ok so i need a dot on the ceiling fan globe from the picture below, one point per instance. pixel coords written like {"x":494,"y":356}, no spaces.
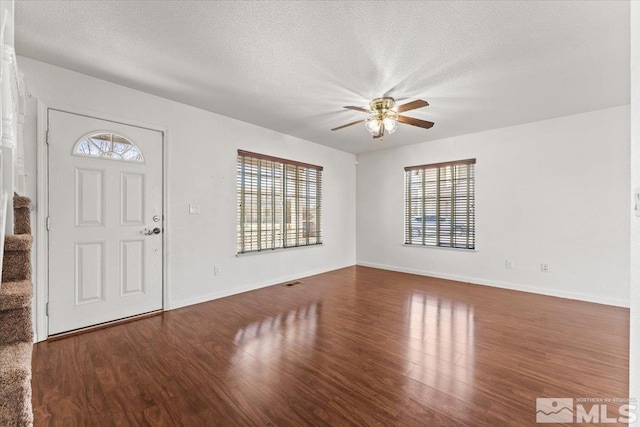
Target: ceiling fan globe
{"x":372,"y":124}
{"x":390,"y":123}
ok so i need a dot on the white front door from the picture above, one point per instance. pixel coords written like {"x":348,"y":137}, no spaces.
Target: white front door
{"x":105,"y":220}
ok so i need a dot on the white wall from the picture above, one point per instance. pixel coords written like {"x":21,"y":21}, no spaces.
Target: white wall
{"x":553,"y":192}
{"x":634,"y":342}
{"x":202,"y":165}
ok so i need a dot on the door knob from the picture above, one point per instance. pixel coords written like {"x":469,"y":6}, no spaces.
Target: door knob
{"x":148,"y":232}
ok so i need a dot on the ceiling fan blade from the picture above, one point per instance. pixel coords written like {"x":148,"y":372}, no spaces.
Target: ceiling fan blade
{"x":364,"y":110}
{"x":418,"y":103}
{"x":349,"y":124}
{"x":415,"y":122}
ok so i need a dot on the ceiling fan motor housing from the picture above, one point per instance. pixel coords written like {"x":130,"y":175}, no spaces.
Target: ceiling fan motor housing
{"x":382,"y":105}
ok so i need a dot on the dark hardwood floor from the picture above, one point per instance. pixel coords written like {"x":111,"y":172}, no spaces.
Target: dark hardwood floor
{"x":356,"y":346}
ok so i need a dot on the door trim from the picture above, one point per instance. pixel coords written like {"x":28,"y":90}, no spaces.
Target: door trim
{"x":41,"y":271}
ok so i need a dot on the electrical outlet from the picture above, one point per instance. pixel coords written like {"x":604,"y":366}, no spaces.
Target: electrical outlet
{"x":194,"y":209}
{"x":216,"y":271}
{"x":544,"y":268}
{"x":508,"y":264}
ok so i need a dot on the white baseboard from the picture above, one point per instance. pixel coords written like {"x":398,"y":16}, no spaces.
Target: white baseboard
{"x":502,"y":285}
{"x":172,"y":305}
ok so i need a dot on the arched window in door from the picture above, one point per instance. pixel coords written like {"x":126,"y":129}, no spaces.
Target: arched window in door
{"x":108,"y":145}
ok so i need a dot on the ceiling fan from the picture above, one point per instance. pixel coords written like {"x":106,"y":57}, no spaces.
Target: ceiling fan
{"x":384,"y":117}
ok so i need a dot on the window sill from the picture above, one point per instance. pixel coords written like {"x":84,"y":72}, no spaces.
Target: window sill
{"x":268,"y":251}
{"x":440,"y":247}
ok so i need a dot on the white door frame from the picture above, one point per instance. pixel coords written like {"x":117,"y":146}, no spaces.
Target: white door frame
{"x":41,"y":271}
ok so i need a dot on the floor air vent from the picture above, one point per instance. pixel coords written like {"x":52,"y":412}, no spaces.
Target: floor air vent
{"x":290,"y":284}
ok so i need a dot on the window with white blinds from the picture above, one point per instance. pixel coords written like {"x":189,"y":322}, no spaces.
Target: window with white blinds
{"x":279,"y":203}
{"x":440,"y":204}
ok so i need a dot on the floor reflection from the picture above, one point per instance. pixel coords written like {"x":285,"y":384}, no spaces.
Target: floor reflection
{"x":440,"y":346}
{"x":270,"y":339}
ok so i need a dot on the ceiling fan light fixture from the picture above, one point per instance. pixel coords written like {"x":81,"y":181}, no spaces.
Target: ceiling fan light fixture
{"x":380,"y":124}
{"x":390,"y":123}
{"x":373,"y":125}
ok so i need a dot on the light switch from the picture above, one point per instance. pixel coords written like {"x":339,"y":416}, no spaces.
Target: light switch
{"x":194,"y":209}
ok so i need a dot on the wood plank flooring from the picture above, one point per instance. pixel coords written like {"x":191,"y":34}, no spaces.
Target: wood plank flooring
{"x":356,"y":346}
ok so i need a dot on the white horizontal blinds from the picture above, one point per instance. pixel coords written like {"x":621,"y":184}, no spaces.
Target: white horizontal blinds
{"x":279,"y":203}
{"x":463,"y":213}
{"x":440,"y":204}
{"x":303,"y":201}
{"x":249,"y":204}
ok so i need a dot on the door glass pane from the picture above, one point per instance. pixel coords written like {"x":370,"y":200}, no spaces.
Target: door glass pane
{"x":108,"y":146}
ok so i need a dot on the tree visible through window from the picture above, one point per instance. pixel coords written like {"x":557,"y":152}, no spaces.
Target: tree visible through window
{"x":440,"y":204}
{"x":279,"y":203}
{"x":108,"y":146}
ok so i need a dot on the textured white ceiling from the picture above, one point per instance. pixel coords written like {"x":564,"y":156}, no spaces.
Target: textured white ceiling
{"x":291,"y":66}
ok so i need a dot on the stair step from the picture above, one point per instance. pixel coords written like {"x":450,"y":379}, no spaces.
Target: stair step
{"x":21,"y":202}
{"x":16,"y":266}
{"x":17,"y":242}
{"x":14,"y":295}
{"x":15,"y":384}
{"x":22,"y":221}
{"x":16,"y":326}
{"x":21,"y":215}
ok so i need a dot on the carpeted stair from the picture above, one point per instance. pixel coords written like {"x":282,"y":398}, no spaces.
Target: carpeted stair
{"x":16,"y":331}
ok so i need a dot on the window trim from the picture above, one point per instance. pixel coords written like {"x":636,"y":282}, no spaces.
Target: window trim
{"x":278,"y":159}
{"x":301,"y":202}
{"x":408,"y":240}
{"x":441,"y":164}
